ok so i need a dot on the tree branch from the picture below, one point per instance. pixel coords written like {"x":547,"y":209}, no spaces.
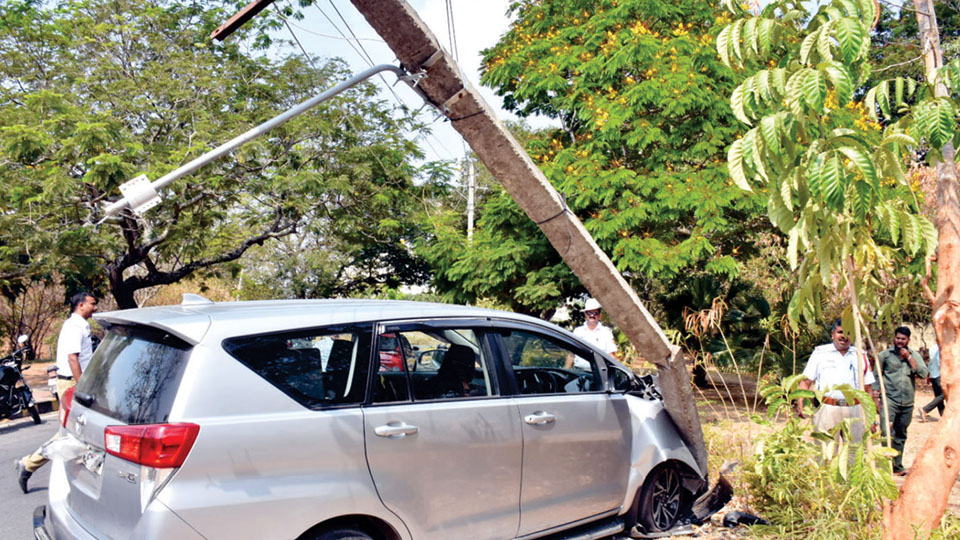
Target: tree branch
{"x":925,"y":280}
{"x":891,"y":66}
{"x":276,"y":230}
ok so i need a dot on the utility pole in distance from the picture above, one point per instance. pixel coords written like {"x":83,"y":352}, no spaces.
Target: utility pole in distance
{"x":471,"y":193}
{"x":419,"y":51}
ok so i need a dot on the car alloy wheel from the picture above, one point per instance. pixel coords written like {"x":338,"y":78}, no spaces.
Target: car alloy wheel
{"x":660,"y":501}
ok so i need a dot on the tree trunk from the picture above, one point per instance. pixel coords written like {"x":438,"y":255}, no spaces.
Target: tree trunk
{"x":924,"y":495}
{"x":418,"y":50}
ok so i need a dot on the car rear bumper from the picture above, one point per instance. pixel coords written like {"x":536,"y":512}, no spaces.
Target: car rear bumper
{"x":52,"y":525}
{"x":55,"y":521}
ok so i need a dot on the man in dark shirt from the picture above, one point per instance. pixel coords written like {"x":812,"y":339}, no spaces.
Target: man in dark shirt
{"x":900,"y":367}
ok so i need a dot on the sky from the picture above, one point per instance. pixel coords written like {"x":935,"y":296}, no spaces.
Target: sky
{"x":478,"y":25}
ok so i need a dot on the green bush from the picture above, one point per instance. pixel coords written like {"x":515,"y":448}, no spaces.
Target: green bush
{"x":818,"y":485}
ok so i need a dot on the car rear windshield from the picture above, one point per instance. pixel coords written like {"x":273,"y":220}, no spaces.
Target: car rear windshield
{"x":134,"y":374}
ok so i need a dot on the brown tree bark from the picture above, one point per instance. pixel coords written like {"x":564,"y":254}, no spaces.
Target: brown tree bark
{"x":924,"y":495}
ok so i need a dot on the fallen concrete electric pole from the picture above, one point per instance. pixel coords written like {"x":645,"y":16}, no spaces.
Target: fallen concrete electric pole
{"x":445,"y":87}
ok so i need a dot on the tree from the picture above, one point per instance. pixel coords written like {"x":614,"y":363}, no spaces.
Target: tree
{"x":641,"y":100}
{"x":94,"y":92}
{"x":508,"y":261}
{"x":833,"y":170}
{"x":896,"y":47}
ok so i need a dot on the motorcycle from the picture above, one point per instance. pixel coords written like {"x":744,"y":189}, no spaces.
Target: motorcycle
{"x":15,"y":395}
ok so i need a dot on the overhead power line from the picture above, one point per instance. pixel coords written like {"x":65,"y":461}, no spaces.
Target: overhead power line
{"x":365,"y":56}
{"x":452,"y":31}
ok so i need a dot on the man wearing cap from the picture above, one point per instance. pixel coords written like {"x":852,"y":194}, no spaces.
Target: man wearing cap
{"x":830,"y":366}
{"x":594,"y":332}
{"x":900,"y":367}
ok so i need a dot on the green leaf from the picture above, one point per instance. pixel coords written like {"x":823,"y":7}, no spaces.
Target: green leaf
{"x":738,"y":104}
{"x":770,"y":130}
{"x":794,"y":92}
{"x":736,"y":36}
{"x":930,"y":235}
{"x":806,"y":47}
{"x":778,"y":212}
{"x":863,"y":162}
{"x":898,"y":138}
{"x":786,"y":194}
{"x":936,"y":120}
{"x":753,"y":143}
{"x":862,"y":199}
{"x":779,"y":78}
{"x":870,"y":104}
{"x":814,"y":90}
{"x":892,"y":224}
{"x":824,"y":42}
{"x":814,"y":175}
{"x":763,"y":85}
{"x":910,"y":229}
{"x":883,"y":98}
{"x":841,"y":80}
{"x":827,"y":258}
{"x":723,"y":44}
{"x":735,"y":165}
{"x":766,"y":31}
{"x":792,"y":247}
{"x":850,"y":35}
{"x":750,"y":35}
{"x":833,"y":182}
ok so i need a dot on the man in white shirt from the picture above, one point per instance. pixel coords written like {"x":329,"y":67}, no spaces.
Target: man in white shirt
{"x":74,"y":350}
{"x":832,"y":365}
{"x":592,"y":331}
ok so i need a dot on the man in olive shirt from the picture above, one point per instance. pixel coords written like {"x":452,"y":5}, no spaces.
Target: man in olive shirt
{"x":901,"y":367}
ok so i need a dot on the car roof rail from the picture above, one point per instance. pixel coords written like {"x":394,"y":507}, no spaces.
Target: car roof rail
{"x":190,"y":299}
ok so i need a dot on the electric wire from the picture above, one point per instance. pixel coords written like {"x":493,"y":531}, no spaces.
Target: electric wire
{"x":328,"y":36}
{"x":314,"y":66}
{"x":452,"y":31}
{"x":364,"y":55}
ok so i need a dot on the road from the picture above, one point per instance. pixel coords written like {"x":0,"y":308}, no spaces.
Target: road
{"x":17,"y":438}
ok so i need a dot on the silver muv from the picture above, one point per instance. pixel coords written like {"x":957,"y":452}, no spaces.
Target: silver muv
{"x":359,"y":419}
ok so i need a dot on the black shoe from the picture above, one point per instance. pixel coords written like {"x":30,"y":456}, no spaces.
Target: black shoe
{"x":22,"y":476}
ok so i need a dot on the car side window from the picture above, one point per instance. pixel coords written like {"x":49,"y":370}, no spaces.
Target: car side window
{"x":619,"y":379}
{"x":437,"y":364}
{"x":543,"y":365}
{"x":317,"y":368}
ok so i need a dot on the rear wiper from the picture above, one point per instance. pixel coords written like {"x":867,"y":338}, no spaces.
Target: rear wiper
{"x":84,"y":399}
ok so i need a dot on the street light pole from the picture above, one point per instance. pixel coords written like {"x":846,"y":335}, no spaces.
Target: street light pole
{"x":141,"y":195}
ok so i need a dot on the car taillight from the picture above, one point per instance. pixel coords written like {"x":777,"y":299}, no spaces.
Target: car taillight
{"x":154,"y":445}
{"x":66,"y":401}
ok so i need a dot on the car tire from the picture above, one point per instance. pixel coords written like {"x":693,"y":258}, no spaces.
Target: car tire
{"x":660,"y":499}
{"x":34,"y":413}
{"x":343,"y":534}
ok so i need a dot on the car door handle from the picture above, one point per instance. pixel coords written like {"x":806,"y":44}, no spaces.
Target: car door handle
{"x":395,"y":430}
{"x":539,"y":418}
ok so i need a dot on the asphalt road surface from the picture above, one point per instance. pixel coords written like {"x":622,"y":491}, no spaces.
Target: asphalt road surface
{"x":18,"y":438}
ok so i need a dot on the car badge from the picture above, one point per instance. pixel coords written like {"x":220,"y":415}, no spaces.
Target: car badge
{"x":79,"y":423}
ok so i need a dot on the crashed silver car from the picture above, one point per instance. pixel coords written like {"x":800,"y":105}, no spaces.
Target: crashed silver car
{"x":281,"y":419}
